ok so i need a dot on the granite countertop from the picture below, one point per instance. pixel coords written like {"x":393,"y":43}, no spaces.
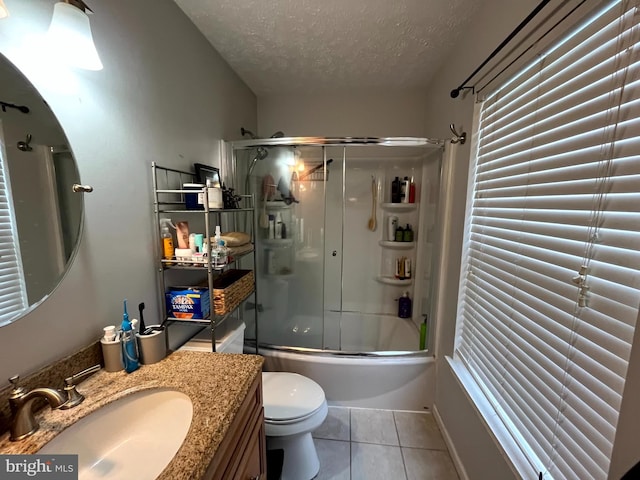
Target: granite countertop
{"x":217,"y":383}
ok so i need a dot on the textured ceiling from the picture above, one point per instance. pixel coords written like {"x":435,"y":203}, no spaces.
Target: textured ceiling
{"x":280,"y":46}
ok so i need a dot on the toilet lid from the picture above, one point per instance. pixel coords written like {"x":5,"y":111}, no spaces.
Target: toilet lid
{"x":289,"y":395}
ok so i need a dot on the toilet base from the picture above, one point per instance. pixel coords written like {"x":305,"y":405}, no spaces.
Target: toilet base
{"x":300,"y":457}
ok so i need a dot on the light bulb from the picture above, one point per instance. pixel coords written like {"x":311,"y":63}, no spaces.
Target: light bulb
{"x":4,"y":11}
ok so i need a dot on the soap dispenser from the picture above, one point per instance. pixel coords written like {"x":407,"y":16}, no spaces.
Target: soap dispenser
{"x":128,"y":344}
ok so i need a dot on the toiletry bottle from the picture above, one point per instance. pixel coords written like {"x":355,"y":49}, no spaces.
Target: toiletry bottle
{"x":404,"y":190}
{"x":404,"y":306}
{"x":111,"y":350}
{"x":412,"y":191}
{"x":128,"y":344}
{"x":399,"y":234}
{"x":395,"y":191}
{"x":392,"y":225}
{"x":407,"y":235}
{"x":423,"y":334}
{"x":272,"y":227}
{"x":407,"y":267}
{"x":218,"y":250}
{"x":182,"y":232}
{"x":192,"y":242}
{"x":167,"y":240}
{"x":278,"y":232}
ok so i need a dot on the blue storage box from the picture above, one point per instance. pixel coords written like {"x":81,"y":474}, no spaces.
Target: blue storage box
{"x":188,"y":303}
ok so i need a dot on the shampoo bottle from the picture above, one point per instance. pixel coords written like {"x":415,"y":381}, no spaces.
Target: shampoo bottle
{"x":404,"y":190}
{"x":404,"y":306}
{"x":128,"y":344}
{"x":395,"y":190}
{"x":412,"y":191}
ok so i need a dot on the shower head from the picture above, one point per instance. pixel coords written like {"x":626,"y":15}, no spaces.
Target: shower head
{"x":244,"y":131}
{"x":261,"y":154}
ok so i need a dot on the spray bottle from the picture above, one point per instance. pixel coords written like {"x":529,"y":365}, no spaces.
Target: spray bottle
{"x":168,"y":251}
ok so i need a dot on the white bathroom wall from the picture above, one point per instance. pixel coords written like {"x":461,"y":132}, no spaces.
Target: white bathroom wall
{"x":164,"y":95}
{"x":372,"y":113}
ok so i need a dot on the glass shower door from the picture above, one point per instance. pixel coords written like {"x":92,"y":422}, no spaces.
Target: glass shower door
{"x":290,"y":189}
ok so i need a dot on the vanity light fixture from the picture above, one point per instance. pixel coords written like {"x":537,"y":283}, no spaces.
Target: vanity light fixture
{"x":70,"y":35}
{"x":4,"y":11}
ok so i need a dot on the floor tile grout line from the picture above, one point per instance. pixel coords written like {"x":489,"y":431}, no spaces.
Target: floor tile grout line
{"x":404,"y":464}
{"x":350,"y":449}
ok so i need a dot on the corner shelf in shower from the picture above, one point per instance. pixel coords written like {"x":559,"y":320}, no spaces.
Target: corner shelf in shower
{"x":396,"y":245}
{"x":393,"y":280}
{"x":399,"y":207}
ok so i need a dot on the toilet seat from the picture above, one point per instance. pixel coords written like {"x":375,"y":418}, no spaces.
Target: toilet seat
{"x":289,"y":397}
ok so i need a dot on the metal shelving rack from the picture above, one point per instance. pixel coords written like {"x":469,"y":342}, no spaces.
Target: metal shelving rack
{"x":170,"y":203}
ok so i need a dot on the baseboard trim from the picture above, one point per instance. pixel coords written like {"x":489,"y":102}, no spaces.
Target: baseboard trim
{"x":462,"y":473}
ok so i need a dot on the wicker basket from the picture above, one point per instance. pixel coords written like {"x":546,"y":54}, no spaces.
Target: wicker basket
{"x":230,"y":288}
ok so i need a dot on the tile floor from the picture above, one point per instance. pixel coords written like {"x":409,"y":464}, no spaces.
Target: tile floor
{"x":369,"y":444}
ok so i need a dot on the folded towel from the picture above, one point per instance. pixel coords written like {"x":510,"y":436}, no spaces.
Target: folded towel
{"x":235,"y":239}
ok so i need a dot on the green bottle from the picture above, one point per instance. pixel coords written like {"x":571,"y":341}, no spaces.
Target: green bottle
{"x":423,"y":334}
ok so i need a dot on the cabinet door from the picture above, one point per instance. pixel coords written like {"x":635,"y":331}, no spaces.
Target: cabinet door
{"x":239,"y":451}
{"x":253,"y":465}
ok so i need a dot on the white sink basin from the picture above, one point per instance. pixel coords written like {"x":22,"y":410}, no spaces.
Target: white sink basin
{"x":134,"y":437}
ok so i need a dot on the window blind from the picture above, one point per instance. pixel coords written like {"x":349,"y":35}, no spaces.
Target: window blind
{"x":13,"y":297}
{"x":550,"y":282}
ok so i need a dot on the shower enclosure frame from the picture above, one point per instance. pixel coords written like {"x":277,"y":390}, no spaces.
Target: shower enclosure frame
{"x":244,"y":145}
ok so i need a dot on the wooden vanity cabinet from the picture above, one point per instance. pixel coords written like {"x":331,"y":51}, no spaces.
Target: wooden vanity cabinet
{"x":242,"y":453}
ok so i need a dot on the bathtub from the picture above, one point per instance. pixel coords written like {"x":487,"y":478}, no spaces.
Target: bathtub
{"x":378,"y":366}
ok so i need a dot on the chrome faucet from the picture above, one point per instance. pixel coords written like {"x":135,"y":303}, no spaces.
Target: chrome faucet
{"x":21,"y":401}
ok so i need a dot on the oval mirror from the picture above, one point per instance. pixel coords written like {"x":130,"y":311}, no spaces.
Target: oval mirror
{"x":40,"y":216}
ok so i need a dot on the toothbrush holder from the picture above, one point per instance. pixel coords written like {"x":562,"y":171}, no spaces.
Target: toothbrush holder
{"x":152,"y":347}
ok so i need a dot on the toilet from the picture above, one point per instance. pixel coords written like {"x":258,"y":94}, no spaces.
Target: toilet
{"x":294,"y":406}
